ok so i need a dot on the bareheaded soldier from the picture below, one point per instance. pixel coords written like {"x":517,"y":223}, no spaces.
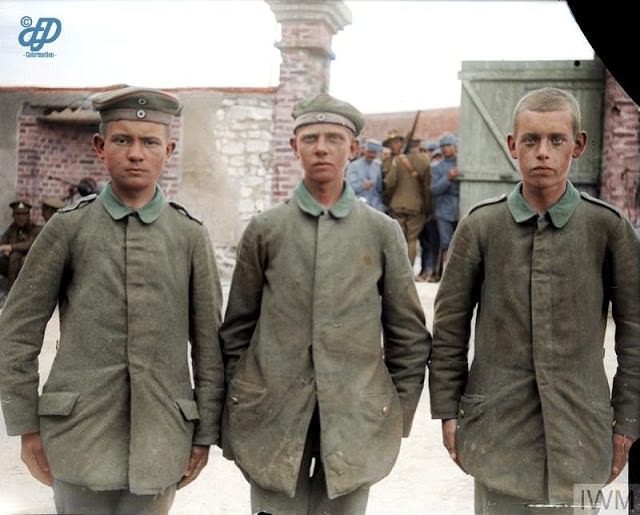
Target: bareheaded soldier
{"x":532,"y":419}
{"x":118,"y":425}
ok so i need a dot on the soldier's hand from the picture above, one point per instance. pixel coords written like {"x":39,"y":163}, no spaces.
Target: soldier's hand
{"x":198,"y":459}
{"x":621,"y":446}
{"x":5,"y":249}
{"x":453,"y":173}
{"x":33,"y":456}
{"x":449,"y":438}
{"x":367,"y":185}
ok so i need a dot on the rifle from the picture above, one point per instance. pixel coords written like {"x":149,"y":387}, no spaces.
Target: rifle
{"x":407,"y":144}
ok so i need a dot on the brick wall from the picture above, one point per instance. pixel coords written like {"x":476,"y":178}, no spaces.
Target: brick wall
{"x":53,"y":156}
{"x":621,"y":141}
{"x":307,"y":31}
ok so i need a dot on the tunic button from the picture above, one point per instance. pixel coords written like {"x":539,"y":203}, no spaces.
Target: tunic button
{"x":235,"y":400}
{"x":462,"y":413}
{"x":385,"y":410}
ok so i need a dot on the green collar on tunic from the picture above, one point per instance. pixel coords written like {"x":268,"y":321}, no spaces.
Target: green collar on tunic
{"x":559,"y":213}
{"x":147,"y":213}
{"x":308,"y":204}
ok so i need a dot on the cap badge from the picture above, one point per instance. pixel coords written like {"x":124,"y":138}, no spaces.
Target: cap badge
{"x":140,"y":113}
{"x":321,"y":117}
{"x":142,"y":101}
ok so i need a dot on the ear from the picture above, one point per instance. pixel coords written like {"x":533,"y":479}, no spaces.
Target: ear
{"x":580,"y":144}
{"x":98,"y":145}
{"x":171,"y":146}
{"x":294,"y":146}
{"x":353,"y":148}
{"x":511,"y":145}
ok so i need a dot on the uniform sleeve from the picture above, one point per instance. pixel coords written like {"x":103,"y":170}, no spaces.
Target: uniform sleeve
{"x":204,"y":314}
{"x":439,"y":180}
{"x":23,"y":321}
{"x":624,"y":291}
{"x":4,"y":239}
{"x":391,"y":179}
{"x":407,"y":342}
{"x":455,"y":301}
{"x":245,"y":296}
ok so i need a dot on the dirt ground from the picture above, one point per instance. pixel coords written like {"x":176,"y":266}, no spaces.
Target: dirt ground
{"x":424,"y":479}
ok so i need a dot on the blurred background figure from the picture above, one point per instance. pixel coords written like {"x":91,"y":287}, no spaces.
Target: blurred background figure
{"x":365,"y":175}
{"x":444,"y":188}
{"x":49,"y":206}
{"x":16,"y":241}
{"x":429,"y":239}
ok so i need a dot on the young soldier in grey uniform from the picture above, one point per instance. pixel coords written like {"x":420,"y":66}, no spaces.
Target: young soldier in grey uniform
{"x":118,"y":424}
{"x":324,"y":336}
{"x":533,"y":416}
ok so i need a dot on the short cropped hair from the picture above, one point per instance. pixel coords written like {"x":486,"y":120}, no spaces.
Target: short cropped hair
{"x":546,"y":100}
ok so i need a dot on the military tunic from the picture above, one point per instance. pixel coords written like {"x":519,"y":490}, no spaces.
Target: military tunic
{"x":407,"y":187}
{"x":534,"y":411}
{"x":134,"y":288}
{"x":312,"y":294}
{"x":20,"y":239}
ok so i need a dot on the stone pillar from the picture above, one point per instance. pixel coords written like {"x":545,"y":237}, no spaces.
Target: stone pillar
{"x":307,"y":30}
{"x":620,"y":146}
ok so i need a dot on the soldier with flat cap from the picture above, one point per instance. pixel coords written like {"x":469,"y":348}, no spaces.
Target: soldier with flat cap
{"x":118,"y":425}
{"x":16,"y":241}
{"x":324,"y":337}
{"x":49,"y":206}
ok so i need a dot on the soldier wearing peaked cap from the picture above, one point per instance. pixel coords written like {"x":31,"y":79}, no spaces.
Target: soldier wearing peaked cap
{"x":16,"y":241}
{"x":49,"y":206}
{"x":118,"y":425}
{"x":365,"y":176}
{"x":319,"y":281}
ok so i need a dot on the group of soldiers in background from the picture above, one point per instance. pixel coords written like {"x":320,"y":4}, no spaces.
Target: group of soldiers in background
{"x":414,"y":182}
{"x":16,"y":241}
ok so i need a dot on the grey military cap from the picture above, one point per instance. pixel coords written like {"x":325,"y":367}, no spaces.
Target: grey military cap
{"x":324,"y":108}
{"x":139,"y":104}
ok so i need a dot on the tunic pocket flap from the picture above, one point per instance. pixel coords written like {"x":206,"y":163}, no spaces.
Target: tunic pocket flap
{"x":57,"y":403}
{"x":189,"y":409}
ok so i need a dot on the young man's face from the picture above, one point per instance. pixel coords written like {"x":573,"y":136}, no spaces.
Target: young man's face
{"x":134,"y":153}
{"x":544,"y":145}
{"x":323,"y":149}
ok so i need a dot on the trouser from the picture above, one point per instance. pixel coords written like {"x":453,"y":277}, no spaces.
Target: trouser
{"x":411,"y":224}
{"x":490,"y":502}
{"x":75,"y":499}
{"x":429,"y":245}
{"x":311,"y":489}
{"x":445,"y":232}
